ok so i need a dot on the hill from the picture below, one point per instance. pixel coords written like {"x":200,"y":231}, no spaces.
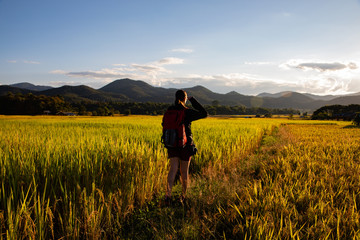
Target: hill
{"x":127,"y":90}
{"x":4,"y":89}
{"x":139,"y":91}
{"x":30,"y":86}
{"x":83,"y":93}
{"x":273,"y":95}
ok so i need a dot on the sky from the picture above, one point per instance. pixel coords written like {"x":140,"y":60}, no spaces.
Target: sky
{"x":309,"y":46}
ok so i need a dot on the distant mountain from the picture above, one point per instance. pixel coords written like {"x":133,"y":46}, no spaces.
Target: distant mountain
{"x":318,"y":97}
{"x":127,"y":90}
{"x":273,"y":95}
{"x":83,"y":93}
{"x":206,"y":96}
{"x":285,"y":93}
{"x":4,"y":89}
{"x":30,"y":86}
{"x":140,"y":91}
{"x":312,"y":96}
{"x":345,"y":100}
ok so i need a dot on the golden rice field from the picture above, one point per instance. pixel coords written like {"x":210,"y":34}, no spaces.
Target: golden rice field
{"x":104,"y":178}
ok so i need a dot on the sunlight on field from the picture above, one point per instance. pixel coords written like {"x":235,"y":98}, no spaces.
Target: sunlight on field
{"x":260,"y":178}
{"x":70,"y":173}
{"x":309,"y":189}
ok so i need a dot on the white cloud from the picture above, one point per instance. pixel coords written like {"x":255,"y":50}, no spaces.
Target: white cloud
{"x":150,"y":71}
{"x":24,"y":61}
{"x":259,"y":63}
{"x":352,"y":66}
{"x":101,"y":74}
{"x":170,"y":60}
{"x":58,"y":72}
{"x":324,"y":77}
{"x":30,"y":62}
{"x":326,"y":82}
{"x":62,"y":83}
{"x":322,"y":84}
{"x":286,"y":14}
{"x":240,"y":82}
{"x":320,"y":77}
{"x":182,"y":50}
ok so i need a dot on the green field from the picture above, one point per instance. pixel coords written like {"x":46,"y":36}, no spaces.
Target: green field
{"x":104,"y":178}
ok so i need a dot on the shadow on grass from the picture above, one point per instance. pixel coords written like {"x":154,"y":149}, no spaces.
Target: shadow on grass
{"x":351,"y":126}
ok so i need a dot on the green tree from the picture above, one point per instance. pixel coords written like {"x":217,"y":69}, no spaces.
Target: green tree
{"x":356,"y":120}
{"x":215,"y":103}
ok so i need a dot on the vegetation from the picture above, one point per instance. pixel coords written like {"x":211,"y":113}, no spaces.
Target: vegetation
{"x":308,"y":189}
{"x":343,"y":112}
{"x":127,"y":90}
{"x":356,"y":120}
{"x":80,"y":177}
{"x":104,"y":178}
{"x":30,"y":104}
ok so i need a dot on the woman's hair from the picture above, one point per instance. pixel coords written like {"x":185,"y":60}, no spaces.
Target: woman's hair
{"x":180,"y":97}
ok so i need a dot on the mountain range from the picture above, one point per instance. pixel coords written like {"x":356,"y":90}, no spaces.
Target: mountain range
{"x":127,"y":90}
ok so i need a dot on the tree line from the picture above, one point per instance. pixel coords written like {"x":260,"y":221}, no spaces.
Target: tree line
{"x":344,"y":112}
{"x":30,"y":104}
{"x":338,"y":112}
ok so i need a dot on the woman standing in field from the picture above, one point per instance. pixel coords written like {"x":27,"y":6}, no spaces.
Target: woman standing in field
{"x":182,"y":155}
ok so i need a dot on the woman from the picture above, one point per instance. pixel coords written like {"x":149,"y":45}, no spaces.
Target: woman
{"x":182,"y":156}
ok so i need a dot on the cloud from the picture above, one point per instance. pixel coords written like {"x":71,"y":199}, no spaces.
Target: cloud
{"x":259,"y":63}
{"x":170,"y":60}
{"x":182,"y":50}
{"x":318,"y":83}
{"x":319,"y":77}
{"x":322,"y":84}
{"x":62,"y":83}
{"x":24,"y":61}
{"x":286,"y":14}
{"x":58,"y":72}
{"x":352,"y":66}
{"x":241,"y":82}
{"x":150,"y":71}
{"x":30,"y":62}
{"x":322,"y":66}
{"x":318,"y":66}
{"x":101,"y":74}
{"x":324,"y":77}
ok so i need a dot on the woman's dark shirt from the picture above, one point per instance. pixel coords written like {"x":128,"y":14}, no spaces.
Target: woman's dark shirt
{"x":191,"y":115}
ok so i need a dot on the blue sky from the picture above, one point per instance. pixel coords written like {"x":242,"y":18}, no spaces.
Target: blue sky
{"x":245,"y":46}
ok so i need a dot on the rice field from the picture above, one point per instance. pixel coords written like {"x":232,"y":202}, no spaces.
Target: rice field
{"x":308,"y":188}
{"x":104,"y":178}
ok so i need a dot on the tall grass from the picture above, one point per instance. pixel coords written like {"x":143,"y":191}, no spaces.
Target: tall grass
{"x":308,"y":188}
{"x":80,"y":177}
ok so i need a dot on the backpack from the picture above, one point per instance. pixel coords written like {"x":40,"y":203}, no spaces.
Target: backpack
{"x":174,"y":135}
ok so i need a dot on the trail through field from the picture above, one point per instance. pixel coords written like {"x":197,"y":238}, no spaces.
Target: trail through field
{"x":212,"y":195}
{"x":301,"y":183}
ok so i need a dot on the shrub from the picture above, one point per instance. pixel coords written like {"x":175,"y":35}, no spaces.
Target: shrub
{"x":356,"y":120}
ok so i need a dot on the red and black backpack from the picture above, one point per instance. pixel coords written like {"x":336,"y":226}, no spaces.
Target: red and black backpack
{"x":174,"y":135}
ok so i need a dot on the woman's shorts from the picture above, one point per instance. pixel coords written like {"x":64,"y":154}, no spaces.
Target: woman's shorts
{"x":182,"y":153}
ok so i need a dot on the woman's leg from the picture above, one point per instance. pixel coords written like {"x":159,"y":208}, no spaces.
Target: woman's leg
{"x":174,"y":166}
{"x":184,"y":170}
